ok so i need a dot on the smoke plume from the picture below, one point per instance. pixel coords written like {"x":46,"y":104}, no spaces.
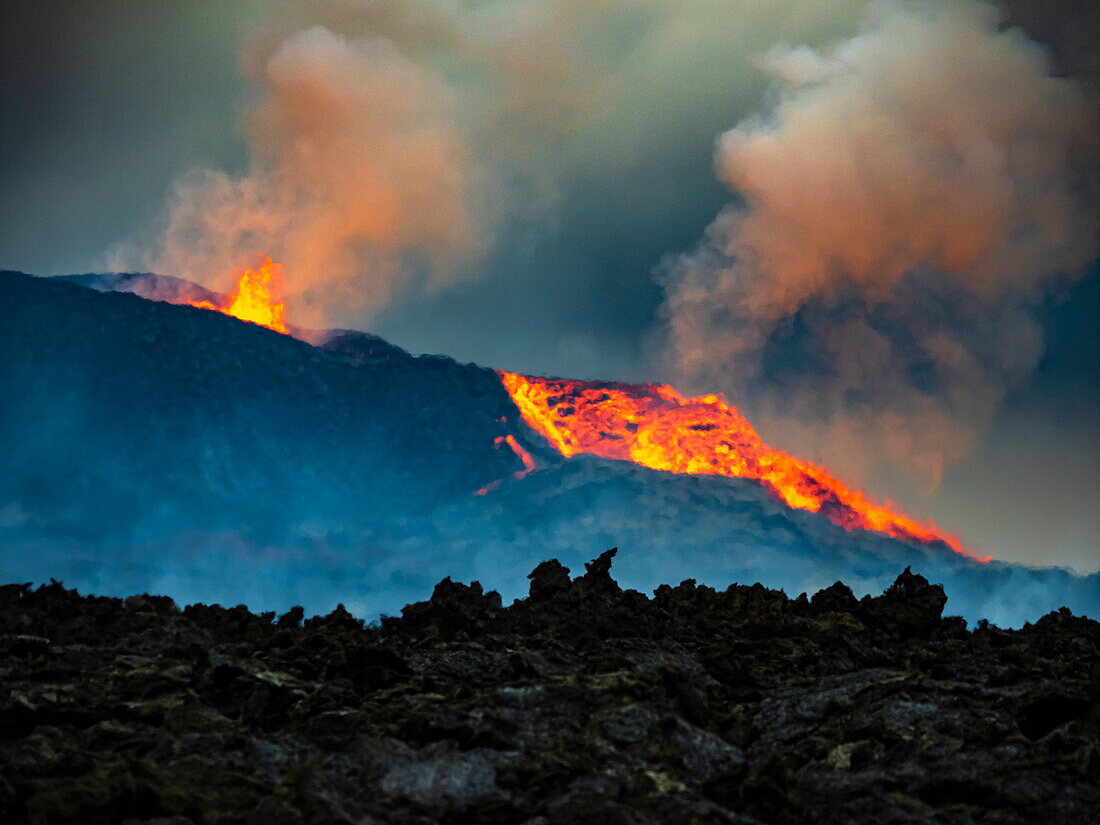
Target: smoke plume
{"x":394,"y":143}
{"x":909,"y":196}
{"x":357,"y":165}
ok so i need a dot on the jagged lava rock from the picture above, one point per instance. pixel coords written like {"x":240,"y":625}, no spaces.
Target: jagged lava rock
{"x":584,"y":702}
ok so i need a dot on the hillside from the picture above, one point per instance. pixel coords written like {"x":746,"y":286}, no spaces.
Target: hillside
{"x":146,"y":405}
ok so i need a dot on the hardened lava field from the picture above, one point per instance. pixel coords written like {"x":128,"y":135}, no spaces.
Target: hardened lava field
{"x":582,"y":703}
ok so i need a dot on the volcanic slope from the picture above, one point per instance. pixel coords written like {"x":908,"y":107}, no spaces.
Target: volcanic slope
{"x":582,"y":703}
{"x":146,"y":446}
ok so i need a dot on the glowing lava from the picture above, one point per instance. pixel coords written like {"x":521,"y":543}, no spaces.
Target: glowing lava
{"x":255,"y":298}
{"x":655,"y":426}
{"x":522,"y":454}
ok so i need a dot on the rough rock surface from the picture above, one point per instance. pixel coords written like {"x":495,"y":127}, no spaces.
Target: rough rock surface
{"x":583,"y":703}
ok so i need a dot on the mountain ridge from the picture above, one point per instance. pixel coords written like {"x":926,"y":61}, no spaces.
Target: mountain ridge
{"x":149,"y":446}
{"x":581,"y":702}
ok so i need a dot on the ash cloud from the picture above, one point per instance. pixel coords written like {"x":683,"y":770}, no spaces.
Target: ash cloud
{"x":401,"y":151}
{"x":159,"y":448}
{"x":910,"y":197}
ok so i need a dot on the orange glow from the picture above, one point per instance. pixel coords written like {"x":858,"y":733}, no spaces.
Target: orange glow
{"x":524,"y":456}
{"x":655,"y":426}
{"x":255,"y":298}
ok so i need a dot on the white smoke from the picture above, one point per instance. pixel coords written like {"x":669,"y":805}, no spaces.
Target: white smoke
{"x":912,"y":190}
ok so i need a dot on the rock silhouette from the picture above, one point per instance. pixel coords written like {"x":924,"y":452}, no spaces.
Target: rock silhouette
{"x":584,"y":702}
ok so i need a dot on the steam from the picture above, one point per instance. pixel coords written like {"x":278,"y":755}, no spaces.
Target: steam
{"x":903,"y":204}
{"x":357,"y":164}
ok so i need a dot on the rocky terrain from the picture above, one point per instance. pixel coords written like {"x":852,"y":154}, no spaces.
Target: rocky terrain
{"x":583,"y":703}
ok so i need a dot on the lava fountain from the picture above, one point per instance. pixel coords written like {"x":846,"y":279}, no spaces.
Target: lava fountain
{"x":257,"y":296}
{"x":655,"y":426}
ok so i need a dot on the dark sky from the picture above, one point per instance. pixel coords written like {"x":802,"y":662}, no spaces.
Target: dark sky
{"x":588,"y":141}
{"x":103,"y":105}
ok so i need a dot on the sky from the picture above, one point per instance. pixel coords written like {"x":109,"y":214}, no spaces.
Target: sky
{"x":871,"y":224}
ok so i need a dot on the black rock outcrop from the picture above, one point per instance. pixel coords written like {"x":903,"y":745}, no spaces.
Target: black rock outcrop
{"x":584,"y":703}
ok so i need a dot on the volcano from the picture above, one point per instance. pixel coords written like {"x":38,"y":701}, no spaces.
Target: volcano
{"x":154,"y":445}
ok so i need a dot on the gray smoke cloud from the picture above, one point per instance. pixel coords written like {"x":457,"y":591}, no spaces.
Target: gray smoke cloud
{"x":394,"y":144}
{"x":905,"y":201}
{"x":900,"y":206}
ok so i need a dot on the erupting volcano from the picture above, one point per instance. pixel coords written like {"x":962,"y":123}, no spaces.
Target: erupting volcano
{"x":266,"y":445}
{"x":655,"y":426}
{"x":649,"y":424}
{"x":256,"y":298}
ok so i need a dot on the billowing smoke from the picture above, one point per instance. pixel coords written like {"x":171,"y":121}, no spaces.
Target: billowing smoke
{"x":402,"y":146}
{"x":910,"y":195}
{"x":900,"y":207}
{"x":357,"y":165}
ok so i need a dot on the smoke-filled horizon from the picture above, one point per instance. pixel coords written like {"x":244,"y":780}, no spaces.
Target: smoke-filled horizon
{"x":872,"y":225}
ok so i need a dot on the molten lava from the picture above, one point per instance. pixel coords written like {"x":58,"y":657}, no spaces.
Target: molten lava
{"x":521,"y":454}
{"x":256,"y":297}
{"x":655,"y":426}
{"x":648,"y":424}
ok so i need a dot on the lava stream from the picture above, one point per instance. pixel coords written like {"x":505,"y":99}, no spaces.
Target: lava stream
{"x":521,"y":454}
{"x":256,"y":297}
{"x":655,"y":426}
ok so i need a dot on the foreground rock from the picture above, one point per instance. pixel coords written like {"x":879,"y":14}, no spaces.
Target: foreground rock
{"x":581,"y":704}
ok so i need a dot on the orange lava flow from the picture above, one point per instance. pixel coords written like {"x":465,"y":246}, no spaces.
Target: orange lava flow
{"x":522,"y":454}
{"x":255,"y":298}
{"x":655,"y":426}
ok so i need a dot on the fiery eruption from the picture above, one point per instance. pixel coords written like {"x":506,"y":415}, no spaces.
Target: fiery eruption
{"x":655,"y":426}
{"x":648,"y":424}
{"x":521,"y":454}
{"x":256,"y":297}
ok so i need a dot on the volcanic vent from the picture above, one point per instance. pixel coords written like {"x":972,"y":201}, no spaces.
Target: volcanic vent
{"x":257,"y":298}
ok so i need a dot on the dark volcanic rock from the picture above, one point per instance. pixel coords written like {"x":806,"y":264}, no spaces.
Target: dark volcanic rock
{"x":582,"y":703}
